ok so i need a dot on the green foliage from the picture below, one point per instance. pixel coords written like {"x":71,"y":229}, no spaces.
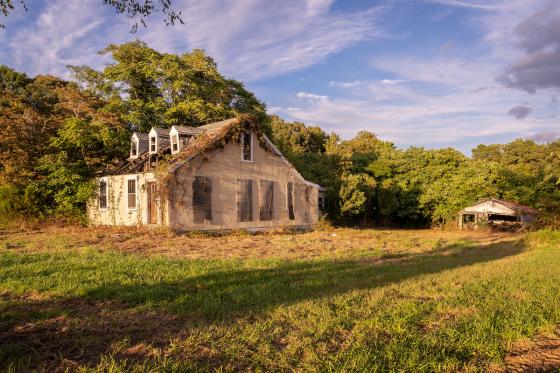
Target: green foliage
{"x":164,"y":89}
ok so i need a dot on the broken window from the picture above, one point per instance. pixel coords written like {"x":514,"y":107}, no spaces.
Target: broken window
{"x":291,"y":214}
{"x":131,"y":192}
{"x":266,"y":196}
{"x":103,"y":194}
{"x":202,"y":199}
{"x":247,"y":147}
{"x":244,"y":200}
{"x":175,"y":143}
{"x":133,"y":148}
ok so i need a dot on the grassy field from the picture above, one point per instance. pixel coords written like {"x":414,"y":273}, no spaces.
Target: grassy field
{"x":342,"y":300}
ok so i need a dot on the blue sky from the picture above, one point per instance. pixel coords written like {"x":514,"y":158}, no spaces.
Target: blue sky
{"x":431,"y":73}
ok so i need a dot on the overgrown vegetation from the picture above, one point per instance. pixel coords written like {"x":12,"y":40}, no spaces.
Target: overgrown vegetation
{"x":56,"y":135}
{"x":370,"y":180}
{"x":362,"y":300}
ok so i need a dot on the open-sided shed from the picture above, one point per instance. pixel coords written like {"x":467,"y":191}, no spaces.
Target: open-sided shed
{"x":496,"y":213}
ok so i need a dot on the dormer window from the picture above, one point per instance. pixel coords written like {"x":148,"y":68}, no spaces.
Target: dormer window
{"x":134,"y":148}
{"x":153,"y":144}
{"x":175,"y":143}
{"x":247,"y":147}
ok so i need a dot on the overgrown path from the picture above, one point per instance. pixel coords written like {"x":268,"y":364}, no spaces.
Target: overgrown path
{"x":337,"y":300}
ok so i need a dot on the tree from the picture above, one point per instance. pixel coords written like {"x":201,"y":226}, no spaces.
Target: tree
{"x":159,"y":89}
{"x":137,"y":10}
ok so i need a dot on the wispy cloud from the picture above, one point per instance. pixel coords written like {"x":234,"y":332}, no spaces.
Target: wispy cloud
{"x":250,"y":39}
{"x":312,"y":96}
{"x":480,"y":5}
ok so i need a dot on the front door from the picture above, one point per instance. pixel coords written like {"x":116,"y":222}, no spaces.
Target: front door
{"x":152,"y":203}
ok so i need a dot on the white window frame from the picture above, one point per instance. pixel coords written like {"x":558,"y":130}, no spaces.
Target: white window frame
{"x":155,"y":138}
{"x":243,"y":146}
{"x":174,"y":137}
{"x":135,"y":193}
{"x":137,"y":143}
{"x":106,"y":180}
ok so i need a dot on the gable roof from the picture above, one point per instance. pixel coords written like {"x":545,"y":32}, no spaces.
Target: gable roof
{"x":217,"y":131}
{"x":161,"y":132}
{"x":141,"y":136}
{"x":517,"y":207}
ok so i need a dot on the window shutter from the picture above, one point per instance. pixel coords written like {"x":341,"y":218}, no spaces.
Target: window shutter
{"x":244,"y":200}
{"x":291,"y":214}
{"x":266,"y":196}
{"x":202,"y":199}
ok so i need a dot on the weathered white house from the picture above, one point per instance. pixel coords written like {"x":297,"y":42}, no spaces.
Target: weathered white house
{"x":496,"y":213}
{"x":220,"y":176}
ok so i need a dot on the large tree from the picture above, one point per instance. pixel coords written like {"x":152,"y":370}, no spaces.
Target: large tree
{"x":163,"y":89}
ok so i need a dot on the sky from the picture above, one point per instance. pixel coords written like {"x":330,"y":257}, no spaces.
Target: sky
{"x":431,"y":73}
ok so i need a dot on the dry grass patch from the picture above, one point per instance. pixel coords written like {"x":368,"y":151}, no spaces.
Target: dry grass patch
{"x":371,"y":244}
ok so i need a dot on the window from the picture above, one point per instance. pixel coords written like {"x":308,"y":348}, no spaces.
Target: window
{"x":291,"y":214}
{"x":202,"y":199}
{"x":266,"y":196}
{"x":247,"y":147}
{"x":134,"y":148}
{"x":131,"y":192}
{"x":153,"y":144}
{"x":244,"y":200}
{"x":103,"y":194}
{"x":175,"y":143}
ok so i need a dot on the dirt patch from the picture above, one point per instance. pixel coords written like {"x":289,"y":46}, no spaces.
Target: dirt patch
{"x":55,"y":335}
{"x":542,"y":354}
{"x":369,"y":244}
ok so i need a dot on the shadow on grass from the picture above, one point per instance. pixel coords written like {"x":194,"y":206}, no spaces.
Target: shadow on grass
{"x":36,"y":332}
{"x":222,"y":295}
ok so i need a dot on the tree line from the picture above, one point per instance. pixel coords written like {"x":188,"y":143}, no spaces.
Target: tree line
{"x":56,"y":135}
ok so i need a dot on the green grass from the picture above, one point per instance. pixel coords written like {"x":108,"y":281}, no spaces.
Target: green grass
{"x":458,"y":306}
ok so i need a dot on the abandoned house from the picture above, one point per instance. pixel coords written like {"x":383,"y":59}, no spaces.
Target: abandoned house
{"x":220,"y":176}
{"x":496,"y":213}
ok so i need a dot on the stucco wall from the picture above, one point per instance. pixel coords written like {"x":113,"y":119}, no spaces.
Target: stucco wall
{"x":117,"y":211}
{"x":224,"y":166}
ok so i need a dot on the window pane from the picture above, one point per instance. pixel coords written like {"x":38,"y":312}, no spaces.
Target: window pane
{"x":291,"y":201}
{"x":131,"y":194}
{"x":266,"y":196}
{"x":244,"y":200}
{"x":202,"y":199}
{"x":247,"y":156}
{"x":103,"y":194}
{"x":133,"y":147}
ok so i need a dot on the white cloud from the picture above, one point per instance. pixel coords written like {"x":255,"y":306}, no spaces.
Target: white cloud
{"x":312,"y":96}
{"x":479,"y":5}
{"x":354,"y":83}
{"x":250,"y":39}
{"x":393,"y":81}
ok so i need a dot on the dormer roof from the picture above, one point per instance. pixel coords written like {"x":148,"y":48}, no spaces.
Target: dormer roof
{"x":141,"y":136}
{"x":160,"y":132}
